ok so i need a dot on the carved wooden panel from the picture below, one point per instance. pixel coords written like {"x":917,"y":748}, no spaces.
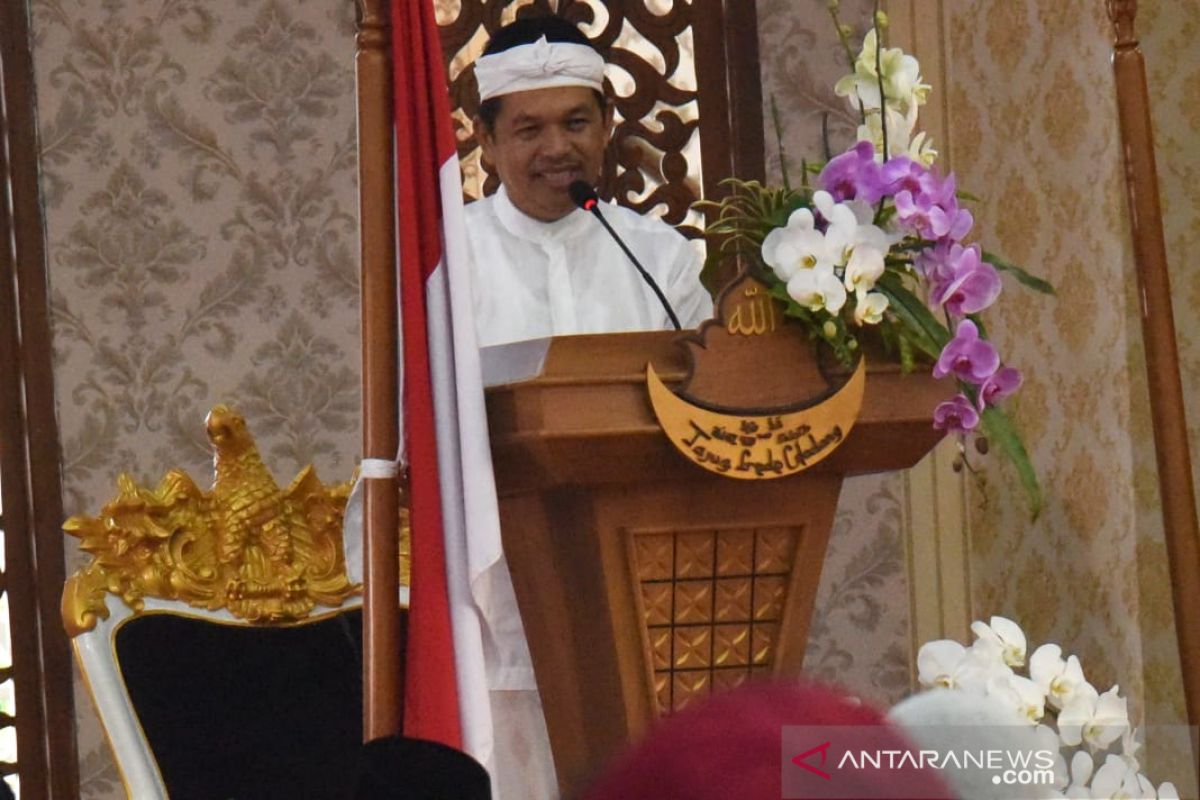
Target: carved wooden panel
{"x":654,"y":164}
{"x":711,"y":605}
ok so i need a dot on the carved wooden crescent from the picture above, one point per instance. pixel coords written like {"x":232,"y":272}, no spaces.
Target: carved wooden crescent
{"x":757,"y":446}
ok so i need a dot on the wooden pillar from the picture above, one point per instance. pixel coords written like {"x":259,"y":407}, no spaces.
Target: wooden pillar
{"x":1158,"y":334}
{"x":382,"y":647}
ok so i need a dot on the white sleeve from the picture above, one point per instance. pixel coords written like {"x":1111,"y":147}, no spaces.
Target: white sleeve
{"x":684,"y":291}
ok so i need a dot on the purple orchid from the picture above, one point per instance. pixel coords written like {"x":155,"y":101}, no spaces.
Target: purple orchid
{"x":956,"y":415}
{"x":854,"y":175}
{"x":926,"y":203}
{"x":999,"y":386}
{"x":966,"y":356}
{"x":902,"y":174}
{"x":960,"y":280}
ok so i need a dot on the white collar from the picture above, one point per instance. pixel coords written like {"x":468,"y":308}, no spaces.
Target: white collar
{"x":523,"y":226}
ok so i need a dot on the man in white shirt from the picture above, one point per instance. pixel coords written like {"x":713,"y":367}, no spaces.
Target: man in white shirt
{"x":543,"y":267}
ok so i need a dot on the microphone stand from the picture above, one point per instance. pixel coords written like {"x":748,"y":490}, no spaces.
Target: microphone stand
{"x":585,"y":197}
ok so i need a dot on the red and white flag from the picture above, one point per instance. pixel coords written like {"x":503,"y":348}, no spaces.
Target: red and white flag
{"x":452,"y":490}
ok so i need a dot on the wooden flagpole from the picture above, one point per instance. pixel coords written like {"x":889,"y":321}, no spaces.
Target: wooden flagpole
{"x":1162,"y":356}
{"x":382,"y":648}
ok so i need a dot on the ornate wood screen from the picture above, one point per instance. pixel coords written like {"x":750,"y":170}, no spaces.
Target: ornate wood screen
{"x":38,"y":677}
{"x":684,"y":123}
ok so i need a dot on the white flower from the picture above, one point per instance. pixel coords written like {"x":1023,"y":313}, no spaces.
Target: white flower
{"x":1021,"y":694}
{"x":1060,"y":680}
{"x":948,"y":664}
{"x":1005,"y":633}
{"x":818,"y":288}
{"x":938,"y":661}
{"x":1131,"y":742}
{"x":903,"y":138}
{"x":852,"y":241}
{"x":864,"y":268}
{"x":1096,"y":720}
{"x":1081,"y":772}
{"x":869,"y":307}
{"x":1046,"y":739}
{"x":1116,"y":781}
{"x":843,"y":231}
{"x":796,"y":246}
{"x":1167,"y":791}
{"x":902,"y":86}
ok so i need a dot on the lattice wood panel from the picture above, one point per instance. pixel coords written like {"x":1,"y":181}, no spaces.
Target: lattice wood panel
{"x":654,"y":163}
{"x":711,"y":603}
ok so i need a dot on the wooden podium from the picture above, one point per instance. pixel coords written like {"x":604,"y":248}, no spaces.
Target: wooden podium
{"x":643,"y":580}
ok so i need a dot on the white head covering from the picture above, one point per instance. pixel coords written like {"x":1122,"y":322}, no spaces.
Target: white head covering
{"x":539,"y":65}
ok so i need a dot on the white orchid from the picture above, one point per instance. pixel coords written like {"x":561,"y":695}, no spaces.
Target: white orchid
{"x":1085,"y":726}
{"x":869,"y":307}
{"x":948,"y":664}
{"x":1131,"y":742}
{"x":1167,"y":791}
{"x":1117,"y":781}
{"x":938,"y":661}
{"x":1060,"y":679}
{"x":1021,"y":694}
{"x":818,"y":289}
{"x":796,"y":246}
{"x":1081,"y":774}
{"x":853,"y":241}
{"x":864,"y":267}
{"x":1046,"y":739}
{"x":903,"y":138}
{"x":902,"y":85}
{"x":1097,"y":720}
{"x":822,"y":266}
{"x":1005,"y":633}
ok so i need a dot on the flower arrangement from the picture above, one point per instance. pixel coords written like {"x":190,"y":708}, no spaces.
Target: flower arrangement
{"x":876,"y":239}
{"x":1072,"y":718}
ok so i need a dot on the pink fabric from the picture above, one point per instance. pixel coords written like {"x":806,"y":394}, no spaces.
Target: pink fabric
{"x":730,"y":747}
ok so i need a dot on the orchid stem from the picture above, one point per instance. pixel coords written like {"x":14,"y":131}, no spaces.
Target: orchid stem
{"x":883,"y":126}
{"x":778,"y":125}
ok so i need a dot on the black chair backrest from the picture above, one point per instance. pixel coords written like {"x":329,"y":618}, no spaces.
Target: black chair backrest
{"x":248,"y":713}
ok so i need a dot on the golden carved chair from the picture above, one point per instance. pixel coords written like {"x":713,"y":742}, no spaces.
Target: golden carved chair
{"x":218,"y":632}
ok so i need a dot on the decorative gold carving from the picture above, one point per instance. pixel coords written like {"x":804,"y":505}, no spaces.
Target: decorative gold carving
{"x":712,"y":603}
{"x":754,"y":313}
{"x":267,"y":555}
{"x":811,"y":421}
{"x":756,"y":447}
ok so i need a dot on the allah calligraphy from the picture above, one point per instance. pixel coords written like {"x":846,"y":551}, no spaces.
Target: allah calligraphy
{"x":758,"y":446}
{"x":753,"y":314}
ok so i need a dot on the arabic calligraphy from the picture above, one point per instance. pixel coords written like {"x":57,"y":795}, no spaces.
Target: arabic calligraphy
{"x":758,"y":446}
{"x":753,"y":316}
{"x":773,"y":451}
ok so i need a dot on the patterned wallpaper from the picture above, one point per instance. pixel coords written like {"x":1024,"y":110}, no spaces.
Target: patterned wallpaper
{"x":199,"y":178}
{"x":1033,"y":122}
{"x":199,"y":175}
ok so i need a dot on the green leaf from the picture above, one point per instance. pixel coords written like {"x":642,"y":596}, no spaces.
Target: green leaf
{"x":926,"y":333}
{"x":1023,"y":276}
{"x":708,"y":274}
{"x":999,"y":430}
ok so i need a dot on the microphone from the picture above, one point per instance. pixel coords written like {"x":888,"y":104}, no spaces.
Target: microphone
{"x":584,"y":195}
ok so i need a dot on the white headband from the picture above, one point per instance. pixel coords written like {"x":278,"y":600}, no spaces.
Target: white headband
{"x":539,"y":65}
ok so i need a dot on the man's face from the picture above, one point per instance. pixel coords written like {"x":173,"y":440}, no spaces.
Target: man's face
{"x":543,"y":140}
